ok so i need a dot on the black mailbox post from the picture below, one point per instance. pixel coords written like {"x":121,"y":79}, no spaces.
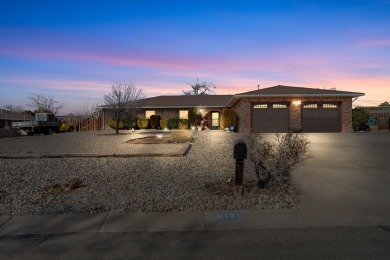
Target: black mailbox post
{"x":240,"y":149}
{"x":240,"y":154}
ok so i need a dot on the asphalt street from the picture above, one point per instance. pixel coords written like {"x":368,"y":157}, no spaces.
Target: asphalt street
{"x":302,"y":243}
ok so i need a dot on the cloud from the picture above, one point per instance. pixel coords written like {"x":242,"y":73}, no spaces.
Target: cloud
{"x":384,"y":42}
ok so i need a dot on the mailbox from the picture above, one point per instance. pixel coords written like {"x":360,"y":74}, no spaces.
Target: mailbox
{"x":240,"y":150}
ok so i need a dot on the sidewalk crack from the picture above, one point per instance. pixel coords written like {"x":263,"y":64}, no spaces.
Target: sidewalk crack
{"x":6,"y":221}
{"x":304,"y":218}
{"x":104,"y":220}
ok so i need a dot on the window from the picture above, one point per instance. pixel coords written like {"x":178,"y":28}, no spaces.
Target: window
{"x":279,"y":106}
{"x":310,"y":106}
{"x":183,"y":114}
{"x":329,"y":106}
{"x":149,"y":113}
{"x":260,"y":106}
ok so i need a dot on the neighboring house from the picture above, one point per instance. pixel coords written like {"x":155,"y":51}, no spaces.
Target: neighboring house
{"x":382,"y":115}
{"x":274,"y":109}
{"x":6,"y":119}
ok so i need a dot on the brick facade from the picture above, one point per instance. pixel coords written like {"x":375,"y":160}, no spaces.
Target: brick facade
{"x":245,"y":104}
{"x":244,"y":111}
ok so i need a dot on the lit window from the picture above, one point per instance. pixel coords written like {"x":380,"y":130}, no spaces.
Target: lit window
{"x":329,"y":106}
{"x":310,"y":106}
{"x":183,"y":114}
{"x":260,"y":106}
{"x":149,"y":113}
{"x":279,"y":106}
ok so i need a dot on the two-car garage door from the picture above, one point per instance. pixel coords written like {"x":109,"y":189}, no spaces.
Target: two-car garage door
{"x":315,"y":117}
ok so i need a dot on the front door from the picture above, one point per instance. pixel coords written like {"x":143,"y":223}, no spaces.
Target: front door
{"x":214,"y":120}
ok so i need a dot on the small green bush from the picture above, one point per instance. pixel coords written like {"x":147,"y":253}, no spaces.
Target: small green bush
{"x":154,"y":121}
{"x":183,"y":124}
{"x":131,"y":122}
{"x":164,"y":123}
{"x":112,"y":124}
{"x":173,"y":123}
{"x":228,"y":118}
{"x":360,"y":119}
{"x":143,"y":123}
{"x":194,"y":117}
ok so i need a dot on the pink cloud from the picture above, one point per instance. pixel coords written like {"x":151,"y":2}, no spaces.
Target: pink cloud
{"x":140,"y":58}
{"x":375,"y":42}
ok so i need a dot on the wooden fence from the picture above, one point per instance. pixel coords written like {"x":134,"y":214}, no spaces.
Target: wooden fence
{"x":89,"y":124}
{"x":382,"y":120}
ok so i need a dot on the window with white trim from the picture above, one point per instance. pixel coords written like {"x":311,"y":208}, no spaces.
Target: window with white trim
{"x":329,"y":106}
{"x":149,"y":113}
{"x":260,"y":106}
{"x":310,"y":106}
{"x":183,"y":114}
{"x":279,"y":106}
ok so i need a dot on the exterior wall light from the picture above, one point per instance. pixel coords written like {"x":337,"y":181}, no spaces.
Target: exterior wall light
{"x":296,"y":102}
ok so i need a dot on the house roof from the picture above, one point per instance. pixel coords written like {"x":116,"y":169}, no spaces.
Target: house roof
{"x":377,"y":109}
{"x":280,"y":90}
{"x":185,"y":101}
{"x":10,"y":115}
{"x":228,"y":100}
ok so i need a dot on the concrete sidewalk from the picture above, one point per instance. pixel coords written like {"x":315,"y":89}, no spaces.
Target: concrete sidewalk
{"x":189,"y":221}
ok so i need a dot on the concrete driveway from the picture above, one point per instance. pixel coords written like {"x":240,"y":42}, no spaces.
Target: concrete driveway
{"x":348,"y":178}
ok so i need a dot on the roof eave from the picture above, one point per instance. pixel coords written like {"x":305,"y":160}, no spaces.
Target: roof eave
{"x":355,"y":94}
{"x":158,"y":107}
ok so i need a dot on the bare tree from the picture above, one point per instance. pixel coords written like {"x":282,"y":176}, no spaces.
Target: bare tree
{"x":199,"y":89}
{"x":123,"y":99}
{"x":274,"y":160}
{"x":45,"y":104}
{"x":17,"y":109}
{"x":87,"y":110}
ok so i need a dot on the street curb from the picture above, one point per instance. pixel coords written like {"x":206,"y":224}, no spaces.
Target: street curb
{"x":42,"y":156}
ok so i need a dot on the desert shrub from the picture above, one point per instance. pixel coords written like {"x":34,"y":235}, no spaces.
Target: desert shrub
{"x":183,"y":124}
{"x":173,"y":123}
{"x":194,"y":117}
{"x":143,"y":123}
{"x":228,"y":118}
{"x":112,"y":124}
{"x":164,"y":123}
{"x":154,"y":121}
{"x":179,"y":137}
{"x":360,"y":119}
{"x":68,"y":185}
{"x":274,"y":160}
{"x":131,"y":122}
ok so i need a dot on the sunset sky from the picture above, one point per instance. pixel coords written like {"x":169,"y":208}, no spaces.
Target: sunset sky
{"x":75,"y":50}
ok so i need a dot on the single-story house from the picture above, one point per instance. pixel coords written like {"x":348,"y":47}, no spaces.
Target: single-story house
{"x":273,"y":109}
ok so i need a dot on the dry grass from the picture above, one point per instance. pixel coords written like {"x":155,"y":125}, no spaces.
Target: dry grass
{"x":67,"y":186}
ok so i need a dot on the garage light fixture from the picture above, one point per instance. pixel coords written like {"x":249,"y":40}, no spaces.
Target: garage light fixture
{"x":296,"y":102}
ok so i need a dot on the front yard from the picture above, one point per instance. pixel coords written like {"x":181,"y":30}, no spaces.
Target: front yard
{"x":202,"y":180}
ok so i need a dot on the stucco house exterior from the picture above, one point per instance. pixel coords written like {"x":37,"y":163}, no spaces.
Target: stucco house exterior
{"x":267,"y":110}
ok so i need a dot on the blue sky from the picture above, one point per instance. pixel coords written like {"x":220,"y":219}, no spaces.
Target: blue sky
{"x":75,"y":50}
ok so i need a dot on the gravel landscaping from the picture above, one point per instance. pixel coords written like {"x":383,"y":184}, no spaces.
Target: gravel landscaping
{"x":200,"y":181}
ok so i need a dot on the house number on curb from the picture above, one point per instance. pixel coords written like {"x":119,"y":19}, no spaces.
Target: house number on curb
{"x":229,"y":216}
